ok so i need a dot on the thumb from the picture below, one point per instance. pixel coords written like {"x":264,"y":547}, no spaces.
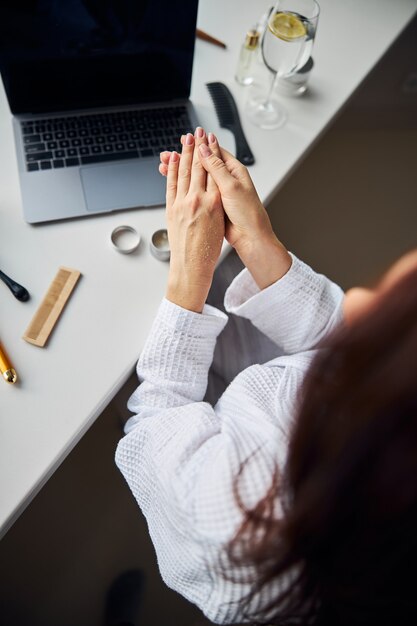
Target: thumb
{"x":215,"y":167}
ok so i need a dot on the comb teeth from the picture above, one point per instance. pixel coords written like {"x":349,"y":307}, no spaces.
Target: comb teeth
{"x":228,"y":116}
{"x":220,"y":96}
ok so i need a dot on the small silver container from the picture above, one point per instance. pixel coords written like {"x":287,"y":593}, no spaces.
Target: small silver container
{"x":125,"y":239}
{"x":160,"y":245}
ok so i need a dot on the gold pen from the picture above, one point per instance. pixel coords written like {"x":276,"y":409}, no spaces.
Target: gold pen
{"x":6,"y":370}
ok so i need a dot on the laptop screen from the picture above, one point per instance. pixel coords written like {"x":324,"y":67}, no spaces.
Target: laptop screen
{"x":80,"y":54}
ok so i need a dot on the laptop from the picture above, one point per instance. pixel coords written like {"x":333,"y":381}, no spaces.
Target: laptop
{"x":97,"y":89}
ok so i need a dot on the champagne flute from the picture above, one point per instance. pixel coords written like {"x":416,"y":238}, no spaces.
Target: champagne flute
{"x":286,"y":46}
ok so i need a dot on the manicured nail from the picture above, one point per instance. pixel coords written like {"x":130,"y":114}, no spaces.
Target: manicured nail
{"x":189,"y":140}
{"x":174,"y":157}
{"x":204,"y":150}
{"x":199,"y":132}
{"x":212,"y":138}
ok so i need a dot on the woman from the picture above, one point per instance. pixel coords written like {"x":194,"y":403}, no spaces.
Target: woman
{"x":294,"y":498}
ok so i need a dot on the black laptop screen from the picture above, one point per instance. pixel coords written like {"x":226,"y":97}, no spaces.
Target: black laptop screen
{"x":76,"y":54}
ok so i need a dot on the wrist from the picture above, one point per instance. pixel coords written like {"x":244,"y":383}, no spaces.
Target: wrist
{"x":266,"y":258}
{"x":187,"y":293}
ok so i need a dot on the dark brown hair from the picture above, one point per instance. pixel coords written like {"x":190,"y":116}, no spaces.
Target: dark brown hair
{"x":348,"y":538}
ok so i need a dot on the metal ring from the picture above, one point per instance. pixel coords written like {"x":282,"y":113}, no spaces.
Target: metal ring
{"x":125,"y":239}
{"x":160,"y":245}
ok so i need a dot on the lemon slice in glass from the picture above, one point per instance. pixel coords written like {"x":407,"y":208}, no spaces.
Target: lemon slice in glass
{"x":287,"y":26}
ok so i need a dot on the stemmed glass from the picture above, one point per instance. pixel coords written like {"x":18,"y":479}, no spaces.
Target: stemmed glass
{"x":286,"y":46}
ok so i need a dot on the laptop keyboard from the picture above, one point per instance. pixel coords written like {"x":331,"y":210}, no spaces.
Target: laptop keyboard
{"x":84,"y":139}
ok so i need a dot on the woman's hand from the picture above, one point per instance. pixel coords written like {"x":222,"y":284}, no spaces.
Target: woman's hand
{"x":247,"y":218}
{"x":248,"y":228}
{"x":195,"y":221}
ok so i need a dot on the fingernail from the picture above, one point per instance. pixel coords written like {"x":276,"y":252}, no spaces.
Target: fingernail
{"x":212,"y":138}
{"x":182,"y":139}
{"x":199,"y":132}
{"x":189,"y":140}
{"x":204,"y":150}
{"x":174,"y":157}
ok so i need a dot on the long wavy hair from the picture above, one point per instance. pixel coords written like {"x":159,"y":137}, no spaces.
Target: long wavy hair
{"x":347,"y":542}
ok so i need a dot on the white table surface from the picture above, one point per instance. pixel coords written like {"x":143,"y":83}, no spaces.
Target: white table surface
{"x":64,"y":387}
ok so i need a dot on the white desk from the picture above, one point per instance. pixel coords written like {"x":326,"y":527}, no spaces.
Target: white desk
{"x":64,"y":387}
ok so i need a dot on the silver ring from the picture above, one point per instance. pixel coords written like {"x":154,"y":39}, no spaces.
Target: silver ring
{"x":160,"y":245}
{"x":125,"y":239}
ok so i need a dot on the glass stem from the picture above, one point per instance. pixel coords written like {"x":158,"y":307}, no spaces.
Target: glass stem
{"x":271,"y":89}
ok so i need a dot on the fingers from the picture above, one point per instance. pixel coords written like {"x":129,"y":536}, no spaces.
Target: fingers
{"x":234,"y":166}
{"x":215,"y":148}
{"x":172,"y":178}
{"x":215,"y":166}
{"x":198,"y":173}
{"x":163,"y":169}
{"x":184,"y":168}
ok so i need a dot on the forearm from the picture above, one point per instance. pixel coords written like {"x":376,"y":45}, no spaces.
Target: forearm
{"x":296,"y":312}
{"x":174,"y":363}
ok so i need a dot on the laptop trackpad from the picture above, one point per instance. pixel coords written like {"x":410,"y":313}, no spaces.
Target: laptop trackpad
{"x":123,"y":185}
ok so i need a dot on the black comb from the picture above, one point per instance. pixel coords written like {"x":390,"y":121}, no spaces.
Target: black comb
{"x":228,"y":116}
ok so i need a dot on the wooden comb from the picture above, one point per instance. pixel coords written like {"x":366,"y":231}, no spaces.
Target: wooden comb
{"x":51,"y":306}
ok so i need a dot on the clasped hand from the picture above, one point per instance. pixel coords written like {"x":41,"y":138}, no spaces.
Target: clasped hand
{"x":195,"y":220}
{"x":209,"y":196}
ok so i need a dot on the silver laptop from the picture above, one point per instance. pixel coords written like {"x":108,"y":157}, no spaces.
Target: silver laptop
{"x":97,"y":89}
